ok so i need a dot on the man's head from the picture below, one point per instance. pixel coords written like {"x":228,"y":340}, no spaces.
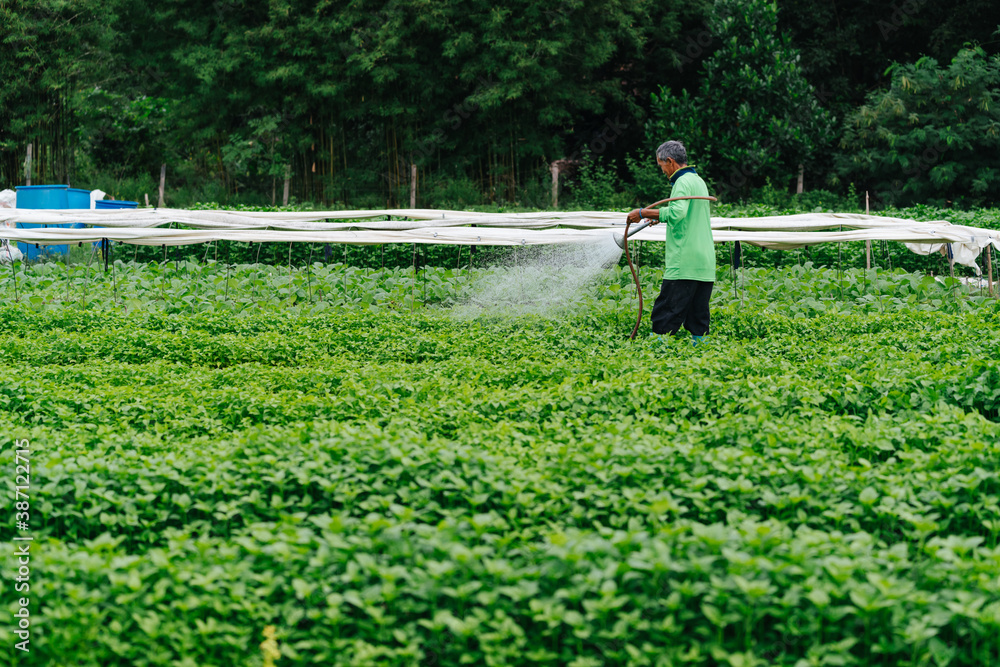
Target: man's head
{"x":671,"y":156}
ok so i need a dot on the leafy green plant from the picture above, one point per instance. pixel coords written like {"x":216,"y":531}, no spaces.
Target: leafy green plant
{"x":386,"y":483}
{"x":595,"y":186}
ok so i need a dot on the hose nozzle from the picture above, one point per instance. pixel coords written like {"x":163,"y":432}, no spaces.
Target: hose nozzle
{"x":620,"y":238}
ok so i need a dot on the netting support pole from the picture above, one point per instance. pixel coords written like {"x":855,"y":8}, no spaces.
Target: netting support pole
{"x":13,"y":273}
{"x":989,"y":266}
{"x":840,"y":268}
{"x":472,"y":251}
{"x":730,"y":261}
{"x":114,"y":279}
{"x":743,"y":270}
{"x":309,"y":273}
{"x":413,"y":285}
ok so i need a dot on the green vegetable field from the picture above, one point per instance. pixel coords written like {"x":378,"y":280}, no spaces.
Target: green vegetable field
{"x":338,"y":453}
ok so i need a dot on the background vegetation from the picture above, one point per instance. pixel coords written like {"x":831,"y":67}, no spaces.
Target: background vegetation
{"x":342,"y":97}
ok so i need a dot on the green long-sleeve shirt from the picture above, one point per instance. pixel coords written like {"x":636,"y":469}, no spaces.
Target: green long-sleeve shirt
{"x":690,"y":252}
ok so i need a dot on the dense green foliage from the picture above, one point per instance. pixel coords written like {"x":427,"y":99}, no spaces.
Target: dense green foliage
{"x":932,"y":136}
{"x":754,"y":115}
{"x":341,"y":97}
{"x":186,"y":287}
{"x":388,"y":483}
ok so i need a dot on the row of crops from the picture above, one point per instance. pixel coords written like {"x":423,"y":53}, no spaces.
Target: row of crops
{"x":188,"y":287}
{"x":337,"y":453}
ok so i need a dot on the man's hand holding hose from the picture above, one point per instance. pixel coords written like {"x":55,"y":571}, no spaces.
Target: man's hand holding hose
{"x":652,"y":214}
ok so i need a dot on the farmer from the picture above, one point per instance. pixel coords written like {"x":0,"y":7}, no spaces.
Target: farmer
{"x":689,"y":273}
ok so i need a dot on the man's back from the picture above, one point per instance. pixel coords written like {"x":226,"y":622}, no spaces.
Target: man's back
{"x":690,"y":249}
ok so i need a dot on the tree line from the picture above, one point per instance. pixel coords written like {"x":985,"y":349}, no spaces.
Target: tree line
{"x":366,"y":104}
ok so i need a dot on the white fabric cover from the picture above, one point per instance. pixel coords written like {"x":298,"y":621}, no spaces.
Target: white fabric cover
{"x":150,"y":227}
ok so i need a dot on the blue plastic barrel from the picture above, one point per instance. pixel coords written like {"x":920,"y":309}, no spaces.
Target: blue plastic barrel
{"x":77,"y":198}
{"x":42,"y":196}
{"x":115,"y":203}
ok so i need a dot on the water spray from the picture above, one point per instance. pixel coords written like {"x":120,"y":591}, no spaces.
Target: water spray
{"x":622,"y":241}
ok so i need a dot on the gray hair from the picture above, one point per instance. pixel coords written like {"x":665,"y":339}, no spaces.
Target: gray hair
{"x":674,"y":150}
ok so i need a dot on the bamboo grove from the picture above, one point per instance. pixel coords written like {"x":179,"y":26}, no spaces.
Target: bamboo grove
{"x":350,"y":102}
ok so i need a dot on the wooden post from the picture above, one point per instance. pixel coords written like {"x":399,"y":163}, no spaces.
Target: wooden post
{"x":27,"y":168}
{"x":802,"y":175}
{"x":555,"y":184}
{"x":413,"y":185}
{"x":163,"y":183}
{"x":288,"y":184}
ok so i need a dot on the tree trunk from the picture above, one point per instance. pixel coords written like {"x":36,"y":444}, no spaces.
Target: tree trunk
{"x":413,"y":185}
{"x":554,"y":168}
{"x":163,"y":184}
{"x":27,"y":167}
{"x":802,"y":174}
{"x":288,"y":184}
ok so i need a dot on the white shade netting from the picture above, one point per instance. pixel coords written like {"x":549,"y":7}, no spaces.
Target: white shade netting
{"x":183,"y":227}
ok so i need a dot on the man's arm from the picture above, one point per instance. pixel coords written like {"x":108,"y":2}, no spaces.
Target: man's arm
{"x":676,"y":211}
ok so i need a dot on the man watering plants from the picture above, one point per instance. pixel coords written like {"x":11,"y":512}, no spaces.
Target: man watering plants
{"x":689,"y":273}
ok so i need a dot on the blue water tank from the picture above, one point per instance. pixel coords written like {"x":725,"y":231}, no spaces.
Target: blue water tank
{"x":77,"y":198}
{"x":42,"y":196}
{"x":115,"y":203}
{"x":48,"y":197}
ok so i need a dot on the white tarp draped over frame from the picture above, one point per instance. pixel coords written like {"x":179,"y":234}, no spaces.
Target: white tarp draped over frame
{"x":150,"y":227}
